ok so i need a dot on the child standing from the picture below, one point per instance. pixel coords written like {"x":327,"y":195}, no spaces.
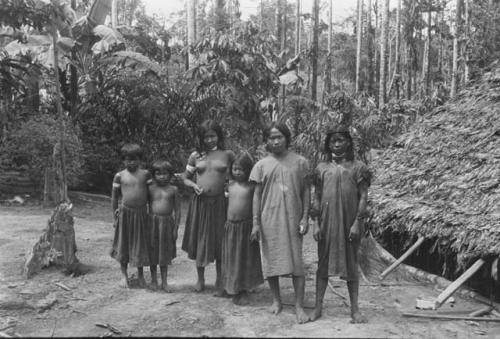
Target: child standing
{"x":241,"y":266}
{"x":163,"y":201}
{"x":340,"y":198}
{"x":131,"y":239}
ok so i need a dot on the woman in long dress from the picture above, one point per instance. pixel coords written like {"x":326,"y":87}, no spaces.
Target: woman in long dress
{"x":341,"y":192}
{"x":280,"y":214}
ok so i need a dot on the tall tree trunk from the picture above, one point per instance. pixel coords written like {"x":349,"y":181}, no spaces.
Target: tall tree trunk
{"x":282,"y":28}
{"x":369,"y":46}
{"x":456,"y":47}
{"x":191,"y":28}
{"x":314,"y":56}
{"x":397,"y":60}
{"x":383,"y":57}
{"x":328,"y":69}
{"x":427,"y":78}
{"x":219,"y":14}
{"x":359,"y":35}
{"x":465,"y":45}
{"x":73,"y":76}
{"x":59,"y":158}
{"x":114,"y":13}
{"x":297,"y":28}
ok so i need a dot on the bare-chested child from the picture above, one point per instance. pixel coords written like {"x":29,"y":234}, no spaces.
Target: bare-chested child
{"x":131,"y":239}
{"x":163,"y":202}
{"x":241,"y":265}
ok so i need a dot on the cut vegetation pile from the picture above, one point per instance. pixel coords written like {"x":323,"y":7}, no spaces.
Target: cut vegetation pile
{"x":442,"y":179}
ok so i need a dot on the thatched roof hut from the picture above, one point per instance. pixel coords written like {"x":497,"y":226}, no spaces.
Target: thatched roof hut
{"x":442,"y":179}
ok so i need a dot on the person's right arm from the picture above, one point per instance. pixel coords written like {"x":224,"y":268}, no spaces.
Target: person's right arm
{"x":316,"y":206}
{"x":257,"y":223}
{"x":115,"y":193}
{"x":187,"y":176}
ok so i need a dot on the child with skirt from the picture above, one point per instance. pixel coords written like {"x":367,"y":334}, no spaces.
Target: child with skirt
{"x":131,"y":239}
{"x":241,"y":266}
{"x":163,"y":201}
{"x":340,"y":199}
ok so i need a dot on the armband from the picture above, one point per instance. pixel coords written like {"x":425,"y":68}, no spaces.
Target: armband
{"x":116,"y":185}
{"x":190,"y":168}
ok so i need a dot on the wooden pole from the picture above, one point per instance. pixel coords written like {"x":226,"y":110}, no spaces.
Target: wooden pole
{"x":402,"y":258}
{"x":448,"y":317}
{"x":457,"y":283}
{"x":482,"y":311}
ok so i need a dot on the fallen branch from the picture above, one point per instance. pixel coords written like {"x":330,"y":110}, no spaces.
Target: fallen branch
{"x":402,"y":258}
{"x":447,"y":317}
{"x":480,"y":312}
{"x":64,"y":287}
{"x":5,"y":335}
{"x":335,"y":292}
{"x":457,"y":283}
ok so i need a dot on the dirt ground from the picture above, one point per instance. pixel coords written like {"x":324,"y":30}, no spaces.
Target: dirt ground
{"x":39,"y":307}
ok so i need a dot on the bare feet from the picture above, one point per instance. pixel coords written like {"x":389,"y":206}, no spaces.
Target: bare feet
{"x":316,"y":313}
{"x":302,"y":316}
{"x":276,"y":307}
{"x":241,"y":299}
{"x":358,"y":318}
{"x":123,"y":283}
{"x":166,"y":288}
{"x":199,"y":286}
{"x":221,"y":294}
{"x":141,"y":282}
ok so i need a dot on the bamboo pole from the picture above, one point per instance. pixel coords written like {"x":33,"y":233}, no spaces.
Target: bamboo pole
{"x":482,"y":311}
{"x":402,"y":258}
{"x":448,"y":317}
{"x":457,"y":283}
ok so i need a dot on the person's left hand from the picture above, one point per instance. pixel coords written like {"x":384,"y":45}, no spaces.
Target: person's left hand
{"x":355,"y":233}
{"x":303,"y":226}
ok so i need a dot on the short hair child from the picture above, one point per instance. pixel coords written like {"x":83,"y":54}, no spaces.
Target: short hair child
{"x":131,"y":241}
{"x":131,"y":150}
{"x":245,"y":161}
{"x":163,"y":201}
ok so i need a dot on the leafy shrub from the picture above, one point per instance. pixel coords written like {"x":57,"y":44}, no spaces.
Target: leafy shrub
{"x":30,"y":147}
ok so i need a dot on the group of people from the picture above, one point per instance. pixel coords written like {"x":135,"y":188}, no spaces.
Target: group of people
{"x":249,"y":219}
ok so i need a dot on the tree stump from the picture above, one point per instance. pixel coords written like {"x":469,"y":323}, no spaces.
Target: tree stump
{"x":56,"y":246}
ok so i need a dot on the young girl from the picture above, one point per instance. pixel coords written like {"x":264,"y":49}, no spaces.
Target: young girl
{"x":206,"y":173}
{"x":131,"y":239}
{"x":241,"y":266}
{"x":280,"y":214}
{"x":163,"y":201}
{"x":340,"y":197}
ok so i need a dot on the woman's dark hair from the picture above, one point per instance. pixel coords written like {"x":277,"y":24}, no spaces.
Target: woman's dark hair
{"x":159,"y":165}
{"x":280,"y":126}
{"x":131,"y":150}
{"x":245,"y":161}
{"x":206,"y":126}
{"x":344,"y":131}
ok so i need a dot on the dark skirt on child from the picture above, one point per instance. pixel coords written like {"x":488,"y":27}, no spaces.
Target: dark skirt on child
{"x":204,"y":228}
{"x":162,"y":239}
{"x":241,"y":265}
{"x":131,"y":240}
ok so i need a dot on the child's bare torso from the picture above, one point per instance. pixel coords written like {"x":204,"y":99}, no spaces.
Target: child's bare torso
{"x":240,"y":201}
{"x":162,"y":199}
{"x":134,"y":188}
